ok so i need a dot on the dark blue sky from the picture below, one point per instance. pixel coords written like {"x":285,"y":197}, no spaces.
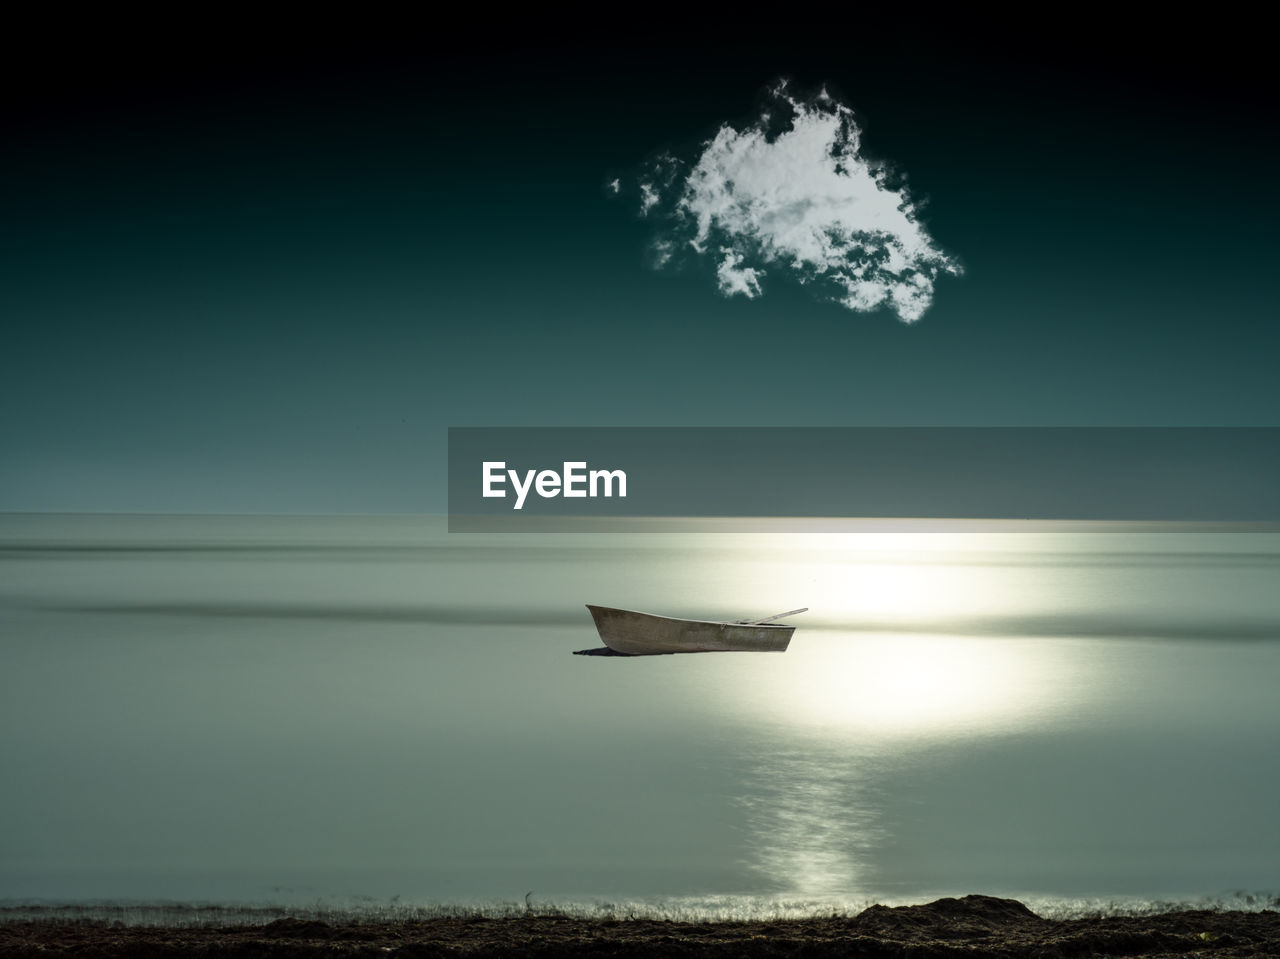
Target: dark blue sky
{"x":267,"y":274}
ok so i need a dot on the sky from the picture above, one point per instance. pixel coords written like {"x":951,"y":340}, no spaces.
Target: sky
{"x":258,"y":270}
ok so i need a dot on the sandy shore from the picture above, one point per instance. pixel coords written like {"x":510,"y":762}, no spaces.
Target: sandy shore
{"x":972,"y":926}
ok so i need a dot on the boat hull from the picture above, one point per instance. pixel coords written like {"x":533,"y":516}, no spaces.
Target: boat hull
{"x":644,"y":634}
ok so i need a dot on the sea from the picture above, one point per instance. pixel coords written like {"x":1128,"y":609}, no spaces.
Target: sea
{"x":373,"y":713}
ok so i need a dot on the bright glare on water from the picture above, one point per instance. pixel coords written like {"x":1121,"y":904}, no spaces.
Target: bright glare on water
{"x":291,"y":708}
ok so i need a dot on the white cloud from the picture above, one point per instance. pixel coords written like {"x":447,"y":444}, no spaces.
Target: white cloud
{"x":649,"y":197}
{"x":735,"y":278}
{"x":803,"y":201}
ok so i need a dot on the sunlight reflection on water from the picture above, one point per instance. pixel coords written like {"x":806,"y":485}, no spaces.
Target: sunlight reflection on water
{"x":829,"y":716}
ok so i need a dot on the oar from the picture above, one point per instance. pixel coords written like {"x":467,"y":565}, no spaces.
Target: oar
{"x":770,"y":619}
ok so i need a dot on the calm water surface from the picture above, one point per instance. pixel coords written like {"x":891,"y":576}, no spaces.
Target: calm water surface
{"x":291,"y":708}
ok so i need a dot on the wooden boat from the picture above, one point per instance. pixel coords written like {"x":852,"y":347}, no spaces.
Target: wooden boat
{"x":629,"y":633}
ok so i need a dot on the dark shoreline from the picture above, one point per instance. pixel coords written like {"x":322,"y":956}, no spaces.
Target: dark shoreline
{"x":972,"y":926}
